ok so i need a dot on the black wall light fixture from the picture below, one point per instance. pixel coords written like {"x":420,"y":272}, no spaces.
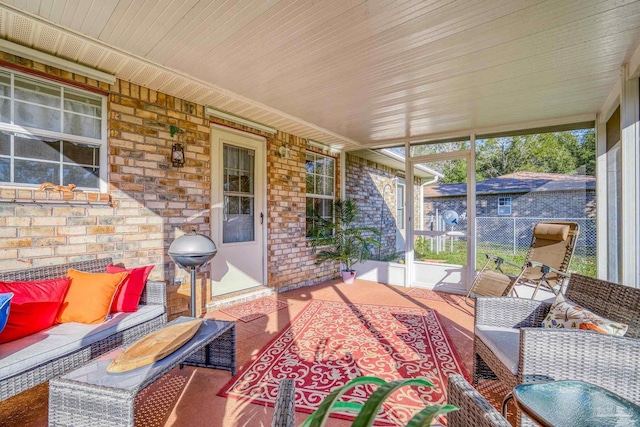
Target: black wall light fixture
{"x":177,"y":155}
{"x":177,"y":150}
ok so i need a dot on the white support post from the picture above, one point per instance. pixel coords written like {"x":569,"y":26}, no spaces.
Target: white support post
{"x":630,"y":138}
{"x":409,"y":214}
{"x":602,"y":258}
{"x":343,"y":175}
{"x":471,"y":212}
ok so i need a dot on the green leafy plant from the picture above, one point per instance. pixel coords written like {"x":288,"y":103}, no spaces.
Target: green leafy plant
{"x":366,"y":414}
{"x":341,"y":238}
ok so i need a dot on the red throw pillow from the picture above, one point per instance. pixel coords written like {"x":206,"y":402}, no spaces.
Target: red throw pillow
{"x":34,"y":306}
{"x":128,"y":294}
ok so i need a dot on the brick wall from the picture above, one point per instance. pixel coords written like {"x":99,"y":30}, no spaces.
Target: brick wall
{"x":149,"y":202}
{"x":373,"y":187}
{"x":551,"y":204}
{"x":290,"y":262}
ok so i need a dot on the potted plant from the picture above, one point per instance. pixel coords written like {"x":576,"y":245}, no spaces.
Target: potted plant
{"x":342,"y":239}
{"x":367,"y":412}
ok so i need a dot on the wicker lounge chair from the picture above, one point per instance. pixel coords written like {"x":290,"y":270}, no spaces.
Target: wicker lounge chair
{"x":546,"y":264}
{"x":474,"y":410}
{"x":510,"y":345}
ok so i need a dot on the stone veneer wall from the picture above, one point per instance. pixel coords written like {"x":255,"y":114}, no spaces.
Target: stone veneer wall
{"x":373,"y":188}
{"x":149,"y":202}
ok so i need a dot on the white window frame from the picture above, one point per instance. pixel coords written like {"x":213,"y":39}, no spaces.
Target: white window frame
{"x":503,"y":203}
{"x":400,"y":205}
{"x":100,"y":143}
{"x":321,"y":196}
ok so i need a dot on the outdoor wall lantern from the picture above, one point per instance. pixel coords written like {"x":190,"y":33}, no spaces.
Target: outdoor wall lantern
{"x":177,"y":150}
{"x":177,"y":155}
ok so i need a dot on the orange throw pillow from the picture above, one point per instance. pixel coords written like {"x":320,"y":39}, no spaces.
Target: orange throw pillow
{"x":89,"y":297}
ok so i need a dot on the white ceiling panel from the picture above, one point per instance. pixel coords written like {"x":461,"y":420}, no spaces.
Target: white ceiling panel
{"x":351,"y":73}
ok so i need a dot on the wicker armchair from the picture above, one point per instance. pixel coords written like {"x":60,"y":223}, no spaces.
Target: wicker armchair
{"x":510,"y":345}
{"x":474,"y":410}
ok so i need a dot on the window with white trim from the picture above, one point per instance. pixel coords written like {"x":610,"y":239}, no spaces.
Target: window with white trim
{"x":400,"y":205}
{"x":504,"y":205}
{"x":50,"y":133}
{"x":320,"y":187}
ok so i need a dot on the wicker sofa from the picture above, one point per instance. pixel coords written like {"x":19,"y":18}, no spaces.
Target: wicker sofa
{"x":473,"y":409}
{"x":510,"y":345}
{"x":31,"y":360}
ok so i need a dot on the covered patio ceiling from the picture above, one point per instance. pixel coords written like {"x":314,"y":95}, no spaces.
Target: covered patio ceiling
{"x":351,"y":74}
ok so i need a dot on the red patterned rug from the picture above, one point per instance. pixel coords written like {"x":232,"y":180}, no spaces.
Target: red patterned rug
{"x":433,"y":295}
{"x":329,"y":343}
{"x":252,"y":310}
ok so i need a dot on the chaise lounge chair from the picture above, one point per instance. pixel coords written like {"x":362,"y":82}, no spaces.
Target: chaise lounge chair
{"x":546,"y":264}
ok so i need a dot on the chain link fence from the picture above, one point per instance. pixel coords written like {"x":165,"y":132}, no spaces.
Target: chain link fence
{"x":514,"y":234}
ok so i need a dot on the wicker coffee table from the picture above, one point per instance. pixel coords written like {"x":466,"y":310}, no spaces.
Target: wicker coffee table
{"x":90,"y":396}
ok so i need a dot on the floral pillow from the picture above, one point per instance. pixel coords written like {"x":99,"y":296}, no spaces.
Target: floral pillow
{"x":567,"y":314}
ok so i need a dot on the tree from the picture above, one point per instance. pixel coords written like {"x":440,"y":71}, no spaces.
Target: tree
{"x":558,"y":152}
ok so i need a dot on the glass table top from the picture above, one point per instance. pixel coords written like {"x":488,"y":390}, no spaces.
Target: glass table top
{"x":95,"y":373}
{"x":575,"y":403}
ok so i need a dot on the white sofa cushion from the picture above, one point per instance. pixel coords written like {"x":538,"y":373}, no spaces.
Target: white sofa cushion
{"x":28,"y":352}
{"x":503,"y":342}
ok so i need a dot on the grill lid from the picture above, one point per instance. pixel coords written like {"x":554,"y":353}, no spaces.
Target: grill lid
{"x":192,"y":250}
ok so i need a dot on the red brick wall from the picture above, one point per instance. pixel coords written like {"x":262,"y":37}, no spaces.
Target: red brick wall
{"x":150,"y":202}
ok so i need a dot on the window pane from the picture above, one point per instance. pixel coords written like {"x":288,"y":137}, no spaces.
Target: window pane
{"x":310,"y":181}
{"x":80,"y":176}
{"x":5,"y":84}
{"x":35,"y":148}
{"x":76,"y":153}
{"x":329,"y":166}
{"x":5,"y":110}
{"x":245,"y":183}
{"x":5,"y":169}
{"x":309,"y":164}
{"x":245,"y":159}
{"x":231,"y":157}
{"x":82,"y":125}
{"x":33,"y":172}
{"x":37,"y":117}
{"x":246,"y":205}
{"x":82,"y":103}
{"x":5,"y":144}
{"x":319,"y":185}
{"x":37,"y":92}
{"x":233,"y":182}
{"x":232,"y":205}
{"x":327,"y":208}
{"x":328,"y":191}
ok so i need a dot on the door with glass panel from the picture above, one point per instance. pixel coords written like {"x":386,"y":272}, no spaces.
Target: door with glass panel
{"x":238,"y":211}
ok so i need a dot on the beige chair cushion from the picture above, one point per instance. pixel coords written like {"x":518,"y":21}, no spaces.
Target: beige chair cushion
{"x":554,"y":232}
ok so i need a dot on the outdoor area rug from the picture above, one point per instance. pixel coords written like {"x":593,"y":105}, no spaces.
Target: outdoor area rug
{"x":329,"y":343}
{"x":432,"y":295}
{"x":252,"y":310}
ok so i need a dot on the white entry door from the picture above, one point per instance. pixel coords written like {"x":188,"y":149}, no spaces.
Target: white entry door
{"x":238,"y":210}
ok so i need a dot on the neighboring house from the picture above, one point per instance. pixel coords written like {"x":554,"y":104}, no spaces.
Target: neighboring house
{"x":531,"y":195}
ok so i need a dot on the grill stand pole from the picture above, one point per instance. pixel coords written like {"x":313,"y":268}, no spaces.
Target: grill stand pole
{"x":193,"y":291}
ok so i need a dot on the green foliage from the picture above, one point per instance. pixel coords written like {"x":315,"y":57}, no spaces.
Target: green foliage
{"x":557,"y":152}
{"x":342,"y":239}
{"x":580,"y":263}
{"x":367,"y":412}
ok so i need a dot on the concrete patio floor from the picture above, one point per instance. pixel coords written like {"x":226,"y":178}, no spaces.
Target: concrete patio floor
{"x":189,"y":397}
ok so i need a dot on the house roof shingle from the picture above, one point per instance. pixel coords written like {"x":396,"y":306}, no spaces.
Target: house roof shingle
{"x":518,"y":182}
